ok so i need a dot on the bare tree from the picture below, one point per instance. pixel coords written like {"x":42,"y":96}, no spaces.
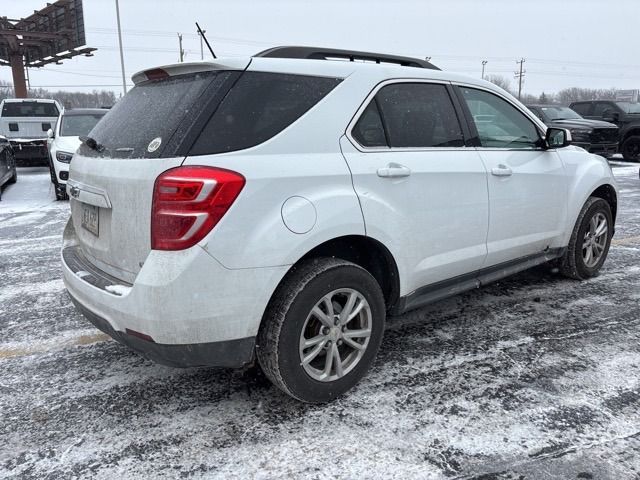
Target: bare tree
{"x":575,"y":94}
{"x":97,"y":98}
{"x":500,"y":81}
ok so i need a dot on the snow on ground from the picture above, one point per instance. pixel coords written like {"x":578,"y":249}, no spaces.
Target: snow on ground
{"x":535,"y":377}
{"x":33,"y":193}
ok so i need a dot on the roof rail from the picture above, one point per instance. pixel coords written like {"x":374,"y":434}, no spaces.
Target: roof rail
{"x":316,"y":53}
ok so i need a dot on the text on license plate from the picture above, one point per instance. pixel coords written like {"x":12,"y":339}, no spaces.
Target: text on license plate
{"x":91,"y":218}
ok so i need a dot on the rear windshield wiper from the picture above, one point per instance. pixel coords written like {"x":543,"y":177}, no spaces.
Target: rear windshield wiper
{"x":92,"y":144}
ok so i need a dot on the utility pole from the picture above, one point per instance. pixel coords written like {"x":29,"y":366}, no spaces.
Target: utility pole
{"x":201,"y":43}
{"x":181,"y":50}
{"x":484,"y":62}
{"x":17,"y":69}
{"x":124,"y":80}
{"x":520,"y":75}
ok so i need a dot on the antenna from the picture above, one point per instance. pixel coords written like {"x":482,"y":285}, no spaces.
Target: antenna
{"x":201,"y":32}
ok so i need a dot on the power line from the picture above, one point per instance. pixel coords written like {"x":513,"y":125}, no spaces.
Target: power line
{"x":81,"y":74}
{"x":80,"y":86}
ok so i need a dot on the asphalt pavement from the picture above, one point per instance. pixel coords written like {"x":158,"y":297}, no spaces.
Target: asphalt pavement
{"x":534,"y":377}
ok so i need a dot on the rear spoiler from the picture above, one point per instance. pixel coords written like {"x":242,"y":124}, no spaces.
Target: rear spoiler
{"x":239,"y":63}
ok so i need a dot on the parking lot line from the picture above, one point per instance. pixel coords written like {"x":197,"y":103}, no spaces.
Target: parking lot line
{"x":625,"y":240}
{"x":30,"y":349}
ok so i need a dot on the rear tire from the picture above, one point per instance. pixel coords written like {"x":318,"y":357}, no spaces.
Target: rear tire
{"x":630,"y":148}
{"x":590,"y":241}
{"x":322,"y":329}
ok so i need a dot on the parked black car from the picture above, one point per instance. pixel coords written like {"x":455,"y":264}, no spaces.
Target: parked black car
{"x":594,"y":136}
{"x":626,"y":115}
{"x":8,"y":171}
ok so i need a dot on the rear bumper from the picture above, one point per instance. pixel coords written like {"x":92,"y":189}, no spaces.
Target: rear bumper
{"x":230,"y":353}
{"x":183,"y":309}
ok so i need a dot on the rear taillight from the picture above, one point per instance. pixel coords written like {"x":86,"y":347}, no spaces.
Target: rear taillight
{"x":188,"y":202}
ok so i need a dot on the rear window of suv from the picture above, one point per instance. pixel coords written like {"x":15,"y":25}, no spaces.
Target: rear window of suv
{"x":204,"y":113}
{"x":142,"y":123}
{"x":29,"y":109}
{"x":258,"y":107}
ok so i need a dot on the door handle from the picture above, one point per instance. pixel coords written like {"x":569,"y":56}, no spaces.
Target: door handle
{"x":501,"y":171}
{"x":394,"y":170}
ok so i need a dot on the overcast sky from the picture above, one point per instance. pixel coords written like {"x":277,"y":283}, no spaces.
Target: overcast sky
{"x":583,"y":43}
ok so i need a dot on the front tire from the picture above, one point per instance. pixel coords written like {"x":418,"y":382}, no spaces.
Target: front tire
{"x":60,"y":190}
{"x":590,"y":241}
{"x":631,"y":148}
{"x":322,"y":329}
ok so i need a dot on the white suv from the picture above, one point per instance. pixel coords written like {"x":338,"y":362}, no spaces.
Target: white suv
{"x":279,"y":207}
{"x":64,"y":140}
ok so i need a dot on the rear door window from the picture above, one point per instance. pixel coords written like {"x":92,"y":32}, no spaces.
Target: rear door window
{"x":581,"y":108}
{"x":601,"y":107}
{"x":369,"y":131}
{"x":142,"y":124}
{"x":258,"y":107}
{"x":418,"y":115}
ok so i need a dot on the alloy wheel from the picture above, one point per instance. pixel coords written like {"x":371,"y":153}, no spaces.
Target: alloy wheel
{"x":335,"y":335}
{"x":595,"y":240}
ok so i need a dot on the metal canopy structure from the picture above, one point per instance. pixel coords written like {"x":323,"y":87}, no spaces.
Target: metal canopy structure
{"x":49,"y":35}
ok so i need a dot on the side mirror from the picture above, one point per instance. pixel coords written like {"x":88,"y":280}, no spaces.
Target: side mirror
{"x":558,"y":137}
{"x":610,"y":116}
{"x":50,"y":133}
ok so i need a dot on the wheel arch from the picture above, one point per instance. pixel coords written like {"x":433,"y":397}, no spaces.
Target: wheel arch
{"x":608,"y":193}
{"x":630,"y":131}
{"x":365,"y":252}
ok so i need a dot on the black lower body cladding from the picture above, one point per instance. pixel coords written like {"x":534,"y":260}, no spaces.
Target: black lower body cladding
{"x":228,"y":354}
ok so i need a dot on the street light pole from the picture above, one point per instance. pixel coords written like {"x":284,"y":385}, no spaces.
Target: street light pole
{"x":484,"y":62}
{"x":124,"y":80}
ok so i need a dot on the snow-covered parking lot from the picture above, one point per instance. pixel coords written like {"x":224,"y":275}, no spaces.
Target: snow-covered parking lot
{"x":535,"y":377}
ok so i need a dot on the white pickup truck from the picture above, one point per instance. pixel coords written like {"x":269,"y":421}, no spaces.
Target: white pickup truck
{"x":25,"y":122}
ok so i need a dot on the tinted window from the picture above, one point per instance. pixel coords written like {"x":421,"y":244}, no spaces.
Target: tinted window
{"x":628,"y":107}
{"x":499,"y":124}
{"x":419,"y":115}
{"x":29,"y":109}
{"x":369,"y":131}
{"x":581,"y":108}
{"x":77,"y":125}
{"x":537,"y":113}
{"x":151,"y":110}
{"x":258,"y":107}
{"x":601,"y":107}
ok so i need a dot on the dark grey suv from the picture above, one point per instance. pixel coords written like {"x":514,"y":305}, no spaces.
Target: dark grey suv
{"x":626,"y":115}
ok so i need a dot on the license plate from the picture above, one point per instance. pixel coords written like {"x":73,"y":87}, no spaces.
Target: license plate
{"x":91,"y":219}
